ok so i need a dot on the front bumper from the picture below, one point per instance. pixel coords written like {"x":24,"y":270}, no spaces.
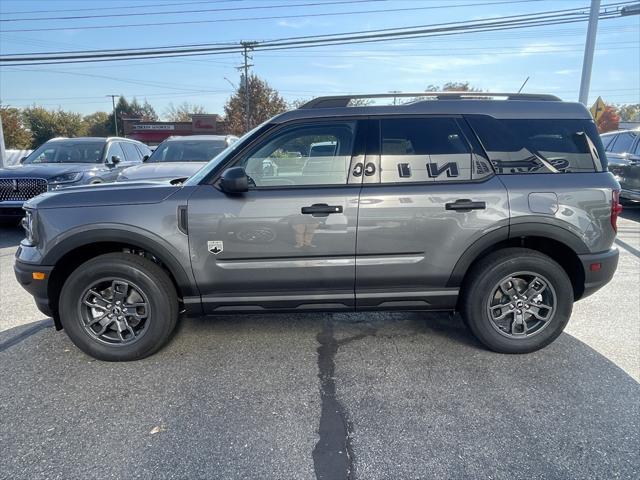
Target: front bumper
{"x":11,"y":210}
{"x":596,"y":277}
{"x":38,"y":288}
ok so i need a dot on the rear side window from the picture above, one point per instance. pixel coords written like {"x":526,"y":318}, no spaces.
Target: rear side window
{"x":423,"y":150}
{"x":539,"y":145}
{"x":624,"y":142}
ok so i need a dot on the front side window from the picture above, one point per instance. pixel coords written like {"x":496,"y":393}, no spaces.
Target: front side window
{"x":423,"y":150}
{"x":115,"y":150}
{"x":131,"y":152}
{"x":608,"y":141}
{"x":318,"y":154}
{"x":67,"y":152}
{"x":624,"y":142}
{"x":539,"y":146}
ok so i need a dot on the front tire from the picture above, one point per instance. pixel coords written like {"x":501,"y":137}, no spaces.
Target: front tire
{"x":517,"y":300}
{"x":118,"y":307}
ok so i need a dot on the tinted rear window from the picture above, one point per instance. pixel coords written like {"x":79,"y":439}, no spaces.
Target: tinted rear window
{"x":539,"y":146}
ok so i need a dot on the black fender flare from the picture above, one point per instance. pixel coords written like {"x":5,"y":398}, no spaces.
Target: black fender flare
{"x":511,"y":232}
{"x":143,"y":239}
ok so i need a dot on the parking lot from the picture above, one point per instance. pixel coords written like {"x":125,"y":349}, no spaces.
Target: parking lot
{"x":366,"y":396}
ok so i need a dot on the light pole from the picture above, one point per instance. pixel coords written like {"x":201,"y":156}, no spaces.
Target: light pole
{"x":589,"y":48}
{"x":115,"y":116}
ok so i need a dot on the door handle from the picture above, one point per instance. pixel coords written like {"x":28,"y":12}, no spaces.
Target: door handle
{"x":321,"y":209}
{"x":465,"y":205}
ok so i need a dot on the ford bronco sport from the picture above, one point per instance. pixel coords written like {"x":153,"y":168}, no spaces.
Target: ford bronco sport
{"x":498,"y":206}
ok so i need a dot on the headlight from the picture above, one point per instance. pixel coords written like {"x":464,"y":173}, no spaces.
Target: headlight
{"x":66,"y":178}
{"x":30,"y":227}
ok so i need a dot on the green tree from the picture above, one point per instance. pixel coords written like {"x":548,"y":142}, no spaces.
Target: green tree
{"x":16,"y":134}
{"x":264,"y":103}
{"x":182,"y":112}
{"x":453,"y":87}
{"x":97,"y":124}
{"x":46,"y":124}
{"x":629,"y":112}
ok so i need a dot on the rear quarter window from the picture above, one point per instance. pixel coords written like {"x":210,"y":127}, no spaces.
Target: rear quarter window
{"x":517,"y":146}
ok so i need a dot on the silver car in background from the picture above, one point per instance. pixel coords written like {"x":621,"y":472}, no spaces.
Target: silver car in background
{"x":178,"y":158}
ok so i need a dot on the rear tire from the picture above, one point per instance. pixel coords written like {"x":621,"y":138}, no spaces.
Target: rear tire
{"x":517,"y":300}
{"x":119,"y":307}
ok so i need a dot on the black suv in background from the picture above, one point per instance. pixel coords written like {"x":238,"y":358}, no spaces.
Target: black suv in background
{"x":64,"y":162}
{"x":623,"y":153}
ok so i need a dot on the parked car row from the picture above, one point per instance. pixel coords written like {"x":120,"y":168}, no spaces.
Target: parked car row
{"x":623,"y":152}
{"x":65,"y":162}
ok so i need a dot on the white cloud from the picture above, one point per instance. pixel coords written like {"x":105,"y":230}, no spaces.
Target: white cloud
{"x":333,"y":66}
{"x":566,"y":71}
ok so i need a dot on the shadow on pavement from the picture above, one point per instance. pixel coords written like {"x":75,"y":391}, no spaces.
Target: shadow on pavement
{"x":10,"y":236}
{"x":238,"y":397}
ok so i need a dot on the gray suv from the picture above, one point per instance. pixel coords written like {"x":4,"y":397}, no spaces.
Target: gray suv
{"x":498,"y":206}
{"x":63,"y":162}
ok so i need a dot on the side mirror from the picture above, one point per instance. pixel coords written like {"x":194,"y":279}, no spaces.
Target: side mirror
{"x":145,"y":158}
{"x":115,"y":159}
{"x":23,"y":159}
{"x":234,"y":180}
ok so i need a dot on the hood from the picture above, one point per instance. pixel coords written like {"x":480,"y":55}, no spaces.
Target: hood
{"x":46,"y":170}
{"x":161,"y":170}
{"x":103,"y":194}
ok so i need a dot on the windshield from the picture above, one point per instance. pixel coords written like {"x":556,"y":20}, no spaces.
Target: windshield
{"x":67,"y":152}
{"x":187,"y":151}
{"x":226,"y":153}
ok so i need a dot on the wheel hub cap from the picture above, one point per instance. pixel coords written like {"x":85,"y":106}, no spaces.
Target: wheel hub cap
{"x":521,"y":305}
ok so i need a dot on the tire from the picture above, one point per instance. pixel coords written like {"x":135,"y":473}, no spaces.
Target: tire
{"x":529,"y":274}
{"x":148,"y":304}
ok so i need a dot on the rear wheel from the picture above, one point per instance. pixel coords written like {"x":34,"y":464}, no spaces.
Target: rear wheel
{"x":517,"y":300}
{"x":118,"y":307}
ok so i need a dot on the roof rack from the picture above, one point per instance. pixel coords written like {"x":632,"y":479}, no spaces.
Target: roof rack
{"x":336,"y":101}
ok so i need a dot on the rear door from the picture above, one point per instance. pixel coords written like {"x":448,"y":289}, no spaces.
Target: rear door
{"x":428,"y":195}
{"x":289,"y":242}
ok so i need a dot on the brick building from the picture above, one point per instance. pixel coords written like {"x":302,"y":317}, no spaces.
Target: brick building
{"x":152,"y":133}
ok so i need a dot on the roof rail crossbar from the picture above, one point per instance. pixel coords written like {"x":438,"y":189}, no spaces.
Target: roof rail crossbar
{"x":336,"y":101}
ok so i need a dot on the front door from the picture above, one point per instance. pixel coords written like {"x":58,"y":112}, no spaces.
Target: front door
{"x":289,"y":242}
{"x":431,"y":197}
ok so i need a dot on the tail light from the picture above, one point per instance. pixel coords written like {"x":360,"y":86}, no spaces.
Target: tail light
{"x":616,"y":209}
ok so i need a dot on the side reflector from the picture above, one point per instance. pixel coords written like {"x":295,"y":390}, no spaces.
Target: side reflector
{"x":38,"y":275}
{"x":595,"y":267}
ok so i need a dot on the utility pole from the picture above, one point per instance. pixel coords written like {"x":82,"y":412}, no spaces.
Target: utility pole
{"x":247,"y":47}
{"x":589,"y":48}
{"x":115,"y":116}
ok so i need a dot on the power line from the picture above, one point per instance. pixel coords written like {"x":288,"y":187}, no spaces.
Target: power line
{"x":202,"y":10}
{"x":270,"y":17}
{"x":450,"y":28}
{"x":120,"y":7}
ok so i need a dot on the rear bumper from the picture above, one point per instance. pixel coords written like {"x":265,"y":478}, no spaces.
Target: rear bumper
{"x":633,"y":195}
{"x":596,"y":277}
{"x":38,"y":288}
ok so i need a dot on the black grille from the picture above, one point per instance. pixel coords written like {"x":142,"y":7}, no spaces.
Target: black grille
{"x":21,"y":189}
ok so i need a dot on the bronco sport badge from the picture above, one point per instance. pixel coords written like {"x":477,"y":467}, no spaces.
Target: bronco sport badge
{"x":215,"y":246}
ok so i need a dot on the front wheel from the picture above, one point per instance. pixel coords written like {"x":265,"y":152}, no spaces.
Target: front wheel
{"x":118,"y":307}
{"x":517,"y":300}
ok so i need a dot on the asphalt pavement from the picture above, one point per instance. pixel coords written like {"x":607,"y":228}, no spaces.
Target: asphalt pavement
{"x":360,"y":396}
